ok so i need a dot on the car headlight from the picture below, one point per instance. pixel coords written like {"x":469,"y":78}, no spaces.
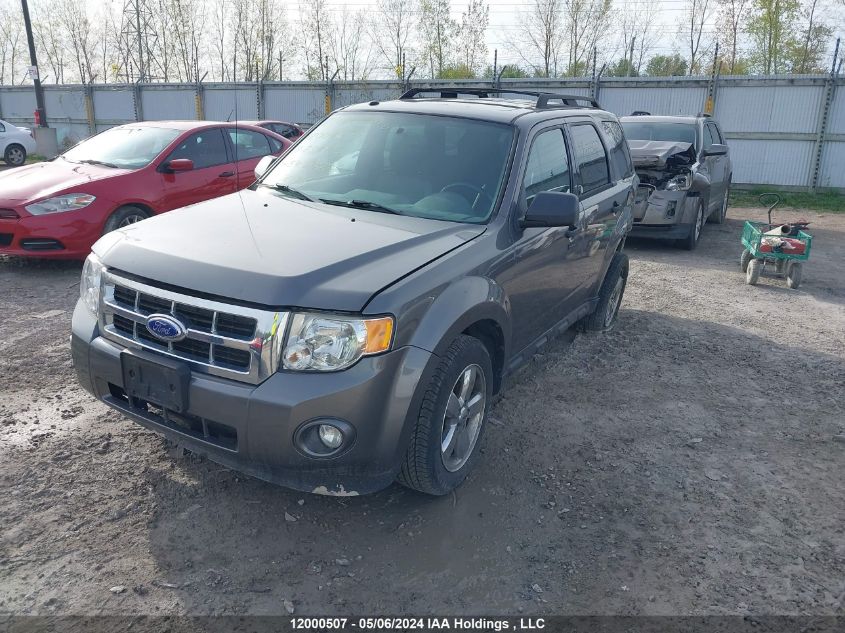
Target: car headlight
{"x":89,"y":286}
{"x":328,"y":342}
{"x":679,"y":183}
{"x":60,"y":204}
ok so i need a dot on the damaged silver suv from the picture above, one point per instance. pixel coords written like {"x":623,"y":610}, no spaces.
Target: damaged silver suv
{"x":685,"y":175}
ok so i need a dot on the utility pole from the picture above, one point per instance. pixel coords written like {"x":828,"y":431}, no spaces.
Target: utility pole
{"x":40,"y":110}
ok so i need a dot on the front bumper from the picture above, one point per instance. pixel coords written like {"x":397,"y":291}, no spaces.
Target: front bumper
{"x":57,"y":236}
{"x":254,"y":426}
{"x":664,"y":214}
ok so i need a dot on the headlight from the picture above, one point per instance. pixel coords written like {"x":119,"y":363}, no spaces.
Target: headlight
{"x":328,"y":342}
{"x":60,"y":204}
{"x":89,"y":286}
{"x":679,"y":183}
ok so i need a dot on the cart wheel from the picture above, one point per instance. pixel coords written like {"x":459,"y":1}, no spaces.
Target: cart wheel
{"x":744,"y":259}
{"x":752,"y":275}
{"x":793,"y":275}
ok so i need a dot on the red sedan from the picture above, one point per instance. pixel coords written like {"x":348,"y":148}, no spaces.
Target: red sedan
{"x":59,"y":208}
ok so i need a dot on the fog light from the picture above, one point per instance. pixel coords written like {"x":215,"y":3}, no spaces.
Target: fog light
{"x":331,"y":436}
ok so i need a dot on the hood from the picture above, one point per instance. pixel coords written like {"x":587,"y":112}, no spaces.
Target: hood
{"x":260,"y":248}
{"x":660,"y":154}
{"x":42,"y":180}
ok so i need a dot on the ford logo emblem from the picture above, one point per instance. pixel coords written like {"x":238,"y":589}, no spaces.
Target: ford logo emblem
{"x":166,"y":327}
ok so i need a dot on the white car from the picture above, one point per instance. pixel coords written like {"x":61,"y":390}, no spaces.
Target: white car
{"x":15,"y":144}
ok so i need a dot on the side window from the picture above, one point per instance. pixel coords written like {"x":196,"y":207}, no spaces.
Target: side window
{"x":249,"y":144}
{"x":590,"y":155}
{"x":2,"y":128}
{"x":206,"y":149}
{"x":708,"y":136}
{"x":715,"y":133}
{"x":275,"y":146}
{"x":285,"y":130}
{"x":619,"y":155}
{"x":548,"y":166}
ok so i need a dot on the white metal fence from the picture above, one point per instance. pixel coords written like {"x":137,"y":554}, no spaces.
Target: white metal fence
{"x":787,"y":131}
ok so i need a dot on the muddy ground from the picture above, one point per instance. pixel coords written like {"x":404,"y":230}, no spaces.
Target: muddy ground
{"x":689,"y":462}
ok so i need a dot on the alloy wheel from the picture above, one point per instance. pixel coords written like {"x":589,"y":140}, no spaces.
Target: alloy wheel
{"x":614,"y":302}
{"x":130,"y":219}
{"x":699,"y":221}
{"x":16,"y":156}
{"x":463,"y":418}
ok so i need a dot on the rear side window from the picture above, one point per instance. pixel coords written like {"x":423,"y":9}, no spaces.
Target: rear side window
{"x":619,"y":155}
{"x":714,"y":133}
{"x":249,"y":144}
{"x":206,"y":149}
{"x":548,"y":165}
{"x":588,"y":152}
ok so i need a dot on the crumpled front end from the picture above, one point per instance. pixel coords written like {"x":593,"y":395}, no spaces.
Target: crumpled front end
{"x":670,"y":186}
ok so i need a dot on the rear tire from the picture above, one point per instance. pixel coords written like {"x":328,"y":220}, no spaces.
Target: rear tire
{"x":744,"y":259}
{"x":610,"y":297}
{"x":752,"y":275}
{"x":430,"y":466}
{"x":793,"y":274}
{"x":123,"y":217}
{"x":15,"y":155}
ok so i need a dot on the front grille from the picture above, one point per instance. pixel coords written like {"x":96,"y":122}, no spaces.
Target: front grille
{"x":45,"y":244}
{"x":222,"y":339}
{"x":8,"y":214}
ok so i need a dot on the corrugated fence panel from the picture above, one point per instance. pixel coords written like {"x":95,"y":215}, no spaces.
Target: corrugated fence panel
{"x":782,"y":108}
{"x":836,"y":124}
{"x":771,"y":162}
{"x":358,"y":93}
{"x":114,"y":105}
{"x":65,"y":104}
{"x":833,"y":165}
{"x":297,"y":104}
{"x":227,"y":104}
{"x":17,"y":104}
{"x":168,"y":102}
{"x":658,"y":99}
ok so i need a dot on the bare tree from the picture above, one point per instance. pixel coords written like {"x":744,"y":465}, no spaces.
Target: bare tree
{"x":541,"y":37}
{"x":350,"y":51}
{"x":316,"y":29}
{"x":437,"y":32}
{"x":585,"y":23}
{"x":221,"y":16}
{"x":392,"y":27}
{"x":11,"y":43}
{"x":186,"y":21}
{"x":697,"y":14}
{"x":472,"y":43}
{"x":50,"y":39}
{"x":73,"y":19}
{"x":732,"y":15}
{"x":637,"y":34}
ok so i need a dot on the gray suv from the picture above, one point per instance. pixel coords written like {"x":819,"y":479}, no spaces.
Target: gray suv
{"x":348,"y":319}
{"x":685,"y":175}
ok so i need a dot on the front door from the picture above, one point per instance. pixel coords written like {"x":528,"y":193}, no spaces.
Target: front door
{"x":539,"y":283}
{"x":248,"y":147}
{"x":212,"y":176}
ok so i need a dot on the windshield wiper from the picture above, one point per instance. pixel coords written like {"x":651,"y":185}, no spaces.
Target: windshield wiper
{"x":296,"y":193}
{"x":362,"y":204}
{"x":91,"y":161}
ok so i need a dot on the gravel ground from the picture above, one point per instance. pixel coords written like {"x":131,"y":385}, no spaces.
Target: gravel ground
{"x":689,"y":462}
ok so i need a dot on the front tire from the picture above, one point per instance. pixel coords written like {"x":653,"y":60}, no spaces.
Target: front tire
{"x":745,"y":259}
{"x":451,"y":420}
{"x":123,"y":217}
{"x":793,"y":274}
{"x":610,"y":297}
{"x":752,"y":274}
{"x":15,"y":155}
{"x":691,"y":241}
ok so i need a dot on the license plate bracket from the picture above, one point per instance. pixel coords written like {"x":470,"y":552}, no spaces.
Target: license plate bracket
{"x":157,"y":380}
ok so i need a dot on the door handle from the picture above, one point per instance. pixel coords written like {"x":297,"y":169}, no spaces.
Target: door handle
{"x":616,"y":207}
{"x":226,"y":174}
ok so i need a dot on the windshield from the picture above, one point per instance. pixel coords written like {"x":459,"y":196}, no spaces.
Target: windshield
{"x":124,"y":147}
{"x":419,"y":165}
{"x":650,"y":131}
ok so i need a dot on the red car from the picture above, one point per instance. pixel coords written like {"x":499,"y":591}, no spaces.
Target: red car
{"x":59,"y":208}
{"x":290,"y":131}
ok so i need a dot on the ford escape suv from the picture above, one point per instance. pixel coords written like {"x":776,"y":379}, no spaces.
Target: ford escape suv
{"x":348,"y":319}
{"x":685,"y":175}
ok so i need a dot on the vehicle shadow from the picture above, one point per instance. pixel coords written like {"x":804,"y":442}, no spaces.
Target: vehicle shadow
{"x":650,"y":458}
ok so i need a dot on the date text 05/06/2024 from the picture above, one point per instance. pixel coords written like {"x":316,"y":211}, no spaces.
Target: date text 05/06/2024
{"x":421,"y":624}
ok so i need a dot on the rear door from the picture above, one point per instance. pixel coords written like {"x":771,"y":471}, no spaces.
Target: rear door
{"x":603,"y":197}
{"x":213,"y":174}
{"x":248,"y":147}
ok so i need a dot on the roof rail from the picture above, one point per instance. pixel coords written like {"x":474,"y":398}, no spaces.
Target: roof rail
{"x":543,"y":98}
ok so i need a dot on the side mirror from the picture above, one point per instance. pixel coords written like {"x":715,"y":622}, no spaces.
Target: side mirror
{"x":263,"y":165}
{"x":552,"y":208}
{"x":179,"y":164}
{"x":716,"y":150}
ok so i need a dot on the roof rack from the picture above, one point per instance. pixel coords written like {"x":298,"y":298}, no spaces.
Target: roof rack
{"x":543,"y":98}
